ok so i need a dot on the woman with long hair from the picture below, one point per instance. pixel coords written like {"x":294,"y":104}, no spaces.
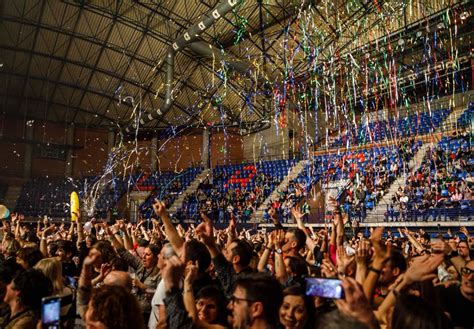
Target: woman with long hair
{"x":53,"y":270}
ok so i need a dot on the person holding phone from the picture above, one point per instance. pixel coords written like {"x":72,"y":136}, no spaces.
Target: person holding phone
{"x":51,"y":312}
{"x":52,"y":268}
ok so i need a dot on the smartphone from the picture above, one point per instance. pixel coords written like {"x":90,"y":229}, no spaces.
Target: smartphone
{"x":71,"y":282}
{"x":327,"y":288}
{"x":51,"y":312}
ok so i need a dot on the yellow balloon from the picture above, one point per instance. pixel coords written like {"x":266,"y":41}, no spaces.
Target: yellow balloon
{"x":74,"y":206}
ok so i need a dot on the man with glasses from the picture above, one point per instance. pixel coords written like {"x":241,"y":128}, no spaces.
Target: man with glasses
{"x":463,"y":250}
{"x":255,"y":301}
{"x":457,"y":300}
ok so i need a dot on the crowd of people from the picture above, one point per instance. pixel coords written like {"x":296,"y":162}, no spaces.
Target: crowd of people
{"x":157,"y":275}
{"x":369,"y":176}
{"x":240,"y":202}
{"x":442,"y":182}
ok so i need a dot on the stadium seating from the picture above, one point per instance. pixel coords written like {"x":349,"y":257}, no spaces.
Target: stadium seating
{"x":377,"y":130}
{"x":165,"y":186}
{"x":238,"y":189}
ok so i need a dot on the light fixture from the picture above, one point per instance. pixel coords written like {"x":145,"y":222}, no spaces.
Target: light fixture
{"x":464,"y":15}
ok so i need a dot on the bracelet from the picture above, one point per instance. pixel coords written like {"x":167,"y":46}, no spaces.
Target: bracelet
{"x":378,"y":272}
{"x":268,"y":248}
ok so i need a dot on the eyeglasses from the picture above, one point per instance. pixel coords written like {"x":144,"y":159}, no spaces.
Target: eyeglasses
{"x":466,"y":271}
{"x":235,"y":299}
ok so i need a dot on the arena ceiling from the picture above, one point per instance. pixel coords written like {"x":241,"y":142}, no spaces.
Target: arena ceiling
{"x":103,"y":63}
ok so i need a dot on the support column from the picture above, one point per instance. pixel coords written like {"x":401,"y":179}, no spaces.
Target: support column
{"x":205,"y":153}
{"x":28,"y":151}
{"x":154,"y":153}
{"x":110,"y":141}
{"x":70,"y":144}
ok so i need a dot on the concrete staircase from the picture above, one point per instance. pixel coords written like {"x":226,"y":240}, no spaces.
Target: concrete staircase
{"x":294,"y":172}
{"x":178,"y":202}
{"x":377,"y":214}
{"x":451,"y":120}
{"x":11,"y":197}
{"x":334,"y":188}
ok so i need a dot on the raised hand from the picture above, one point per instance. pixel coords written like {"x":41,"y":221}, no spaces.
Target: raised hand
{"x":105,"y":269}
{"x":332,"y":204}
{"x":172,"y":272}
{"x":342,"y":259}
{"x":362,"y":252}
{"x":160,"y":208}
{"x":422,"y":268}
{"x":49,"y":230}
{"x":296,"y":213}
{"x":441,"y":247}
{"x":355,"y":304}
{"x":14,"y":217}
{"x":191,"y":271}
{"x":92,"y":258}
{"x":381,"y":252}
{"x":328,"y":270}
{"x":279,"y":239}
{"x":205,"y":230}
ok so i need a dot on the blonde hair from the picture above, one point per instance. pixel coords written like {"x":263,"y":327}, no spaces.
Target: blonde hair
{"x":10,"y":246}
{"x":53,"y":269}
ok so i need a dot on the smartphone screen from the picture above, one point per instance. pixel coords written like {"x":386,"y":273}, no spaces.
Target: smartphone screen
{"x":71,"y":282}
{"x":327,"y":288}
{"x":51,"y":312}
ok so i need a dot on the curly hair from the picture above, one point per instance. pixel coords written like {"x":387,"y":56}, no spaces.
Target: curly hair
{"x":116,"y":308}
{"x":10,"y":245}
{"x":33,"y":285}
{"x":107,"y":251}
{"x":30,"y":256}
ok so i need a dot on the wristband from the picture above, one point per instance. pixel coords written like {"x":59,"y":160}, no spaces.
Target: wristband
{"x":378,"y":272}
{"x":452,"y":254}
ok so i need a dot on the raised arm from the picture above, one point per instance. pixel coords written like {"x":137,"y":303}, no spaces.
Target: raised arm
{"x":362,"y":257}
{"x":85,"y":281}
{"x":205,"y":231}
{"x":298,"y":216}
{"x":70,"y":233}
{"x":43,"y":241}
{"x":381,"y":254}
{"x":176,"y":314}
{"x":176,"y":241}
{"x":419,"y":248}
{"x":127,"y":241}
{"x":262,"y":263}
{"x":80,"y":232}
{"x":280,"y":271}
{"x":422,"y":269}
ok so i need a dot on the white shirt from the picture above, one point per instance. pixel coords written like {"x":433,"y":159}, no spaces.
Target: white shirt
{"x":156,"y":301}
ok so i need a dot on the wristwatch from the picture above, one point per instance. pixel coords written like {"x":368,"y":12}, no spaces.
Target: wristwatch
{"x":278,"y":251}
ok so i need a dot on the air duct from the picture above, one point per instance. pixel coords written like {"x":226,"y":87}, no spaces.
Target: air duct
{"x":188,"y":37}
{"x":207,"y":50}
